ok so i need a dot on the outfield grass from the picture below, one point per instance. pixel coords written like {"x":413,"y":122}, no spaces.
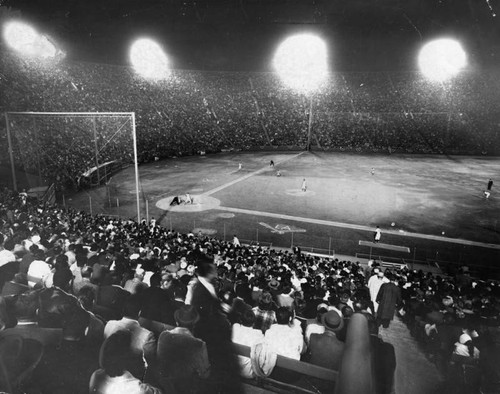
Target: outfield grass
{"x":424,"y":196}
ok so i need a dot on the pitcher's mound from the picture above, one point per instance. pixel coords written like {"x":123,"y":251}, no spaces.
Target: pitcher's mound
{"x":200,"y":203}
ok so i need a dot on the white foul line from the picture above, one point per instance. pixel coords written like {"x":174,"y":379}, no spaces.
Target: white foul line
{"x":359,"y":227}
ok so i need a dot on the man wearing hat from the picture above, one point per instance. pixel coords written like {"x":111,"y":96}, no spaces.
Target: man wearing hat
{"x":182,"y":359}
{"x":326,"y":349}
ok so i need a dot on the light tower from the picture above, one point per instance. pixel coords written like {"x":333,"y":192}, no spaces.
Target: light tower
{"x":301,"y":62}
{"x":442,"y":59}
{"x":149,"y":59}
{"x":24,"y":38}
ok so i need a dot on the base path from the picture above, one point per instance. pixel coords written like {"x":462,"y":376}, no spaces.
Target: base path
{"x":264,"y":169}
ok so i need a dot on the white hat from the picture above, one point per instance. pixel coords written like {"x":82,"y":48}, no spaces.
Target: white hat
{"x":464,"y":338}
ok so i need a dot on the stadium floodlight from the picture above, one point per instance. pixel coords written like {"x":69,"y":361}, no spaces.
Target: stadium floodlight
{"x":301,"y":61}
{"x":442,"y":59}
{"x":149,"y":59}
{"x":25,"y":39}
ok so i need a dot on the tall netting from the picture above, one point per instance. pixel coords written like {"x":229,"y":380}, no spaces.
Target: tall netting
{"x":71,"y":151}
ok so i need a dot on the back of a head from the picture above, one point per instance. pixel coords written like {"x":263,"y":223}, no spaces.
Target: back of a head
{"x":179,"y":289}
{"x":283,"y":315}
{"x":360,"y":305}
{"x":26,"y":305}
{"x":61,"y":262}
{"x":205,"y":268}
{"x":132,"y":307}
{"x":155,"y":280}
{"x":241,"y":290}
{"x":75,"y":324}
{"x":186,"y":316}
{"x":265,"y":300}
{"x":86,"y":296}
{"x":115,"y":352}
{"x":248,"y":318}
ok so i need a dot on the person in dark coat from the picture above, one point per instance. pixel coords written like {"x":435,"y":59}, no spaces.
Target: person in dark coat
{"x":182,"y":359}
{"x":214,"y":329}
{"x":389,"y":298}
{"x":326,"y":349}
{"x":156,"y":302}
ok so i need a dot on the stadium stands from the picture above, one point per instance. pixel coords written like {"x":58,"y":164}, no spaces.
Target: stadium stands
{"x":395,"y":112}
{"x":456,"y":319}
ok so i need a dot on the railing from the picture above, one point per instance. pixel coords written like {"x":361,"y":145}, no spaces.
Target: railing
{"x":388,"y":261}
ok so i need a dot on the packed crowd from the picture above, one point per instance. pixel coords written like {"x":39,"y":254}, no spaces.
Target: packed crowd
{"x":195,"y":112}
{"x":94,"y":290}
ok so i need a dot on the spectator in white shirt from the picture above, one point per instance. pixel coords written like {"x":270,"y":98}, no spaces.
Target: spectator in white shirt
{"x":284,"y":338}
{"x":244,"y":334}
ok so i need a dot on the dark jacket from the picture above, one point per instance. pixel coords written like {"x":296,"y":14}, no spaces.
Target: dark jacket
{"x":389,"y":298}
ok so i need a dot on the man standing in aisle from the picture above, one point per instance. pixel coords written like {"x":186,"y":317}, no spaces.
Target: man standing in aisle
{"x":388,"y":298}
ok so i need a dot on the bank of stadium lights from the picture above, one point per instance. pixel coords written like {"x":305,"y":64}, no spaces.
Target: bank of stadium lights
{"x":442,"y":59}
{"x":149,"y":60}
{"x":24,"y":39}
{"x":301,"y":62}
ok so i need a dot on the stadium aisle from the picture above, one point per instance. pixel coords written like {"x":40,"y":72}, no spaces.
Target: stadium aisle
{"x":415,"y":374}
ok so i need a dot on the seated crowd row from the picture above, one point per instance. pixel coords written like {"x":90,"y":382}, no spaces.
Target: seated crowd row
{"x":120,"y":305}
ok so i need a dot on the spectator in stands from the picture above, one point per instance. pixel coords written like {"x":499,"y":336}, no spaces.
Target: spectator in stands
{"x":28,"y":257}
{"x":69,"y":366}
{"x":110,"y":301}
{"x":326,"y":349}
{"x":315,"y":326}
{"x":244,"y":334}
{"x":84,"y":281}
{"x":362,"y":306}
{"x":314,"y":297}
{"x":466,"y":349}
{"x":87,"y":296}
{"x":265,"y":315}
{"x":283,"y":337}
{"x":182,"y":359}
{"x":39,"y":271}
{"x":62,"y":275}
{"x":214,"y":328}
{"x":239,"y":306}
{"x":389,"y":299}
{"x":25,"y":311}
{"x":157,"y":303}
{"x":113,"y":376}
{"x":376,"y":280}
{"x":136,"y":285}
{"x":142,"y":341}
{"x":284,"y":296}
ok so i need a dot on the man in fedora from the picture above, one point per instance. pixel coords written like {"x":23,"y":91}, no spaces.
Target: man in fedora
{"x":326,"y":349}
{"x":182,"y":359}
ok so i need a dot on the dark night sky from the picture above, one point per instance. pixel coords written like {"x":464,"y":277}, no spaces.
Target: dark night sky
{"x":243,"y":34}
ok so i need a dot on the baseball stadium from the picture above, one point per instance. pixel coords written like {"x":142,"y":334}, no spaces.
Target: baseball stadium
{"x":246,"y":196}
